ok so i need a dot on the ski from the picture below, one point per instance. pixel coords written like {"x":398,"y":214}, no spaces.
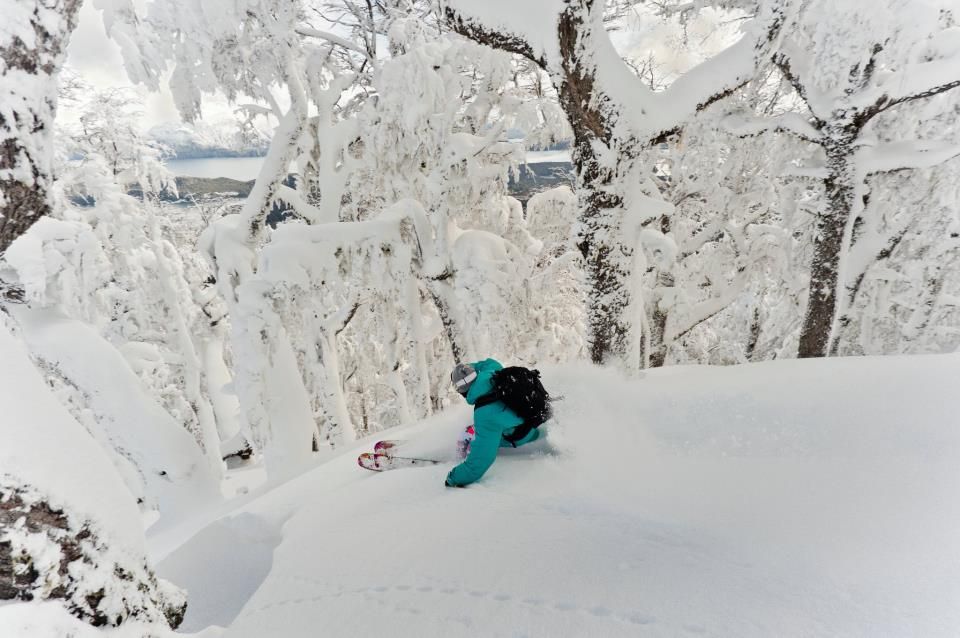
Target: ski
{"x":383,"y":462}
{"x":386,"y":447}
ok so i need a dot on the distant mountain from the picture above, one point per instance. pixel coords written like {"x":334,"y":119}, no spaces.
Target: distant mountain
{"x":194,"y":141}
{"x":530,"y":179}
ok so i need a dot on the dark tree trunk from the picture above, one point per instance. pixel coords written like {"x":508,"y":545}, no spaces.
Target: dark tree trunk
{"x":755,"y":328}
{"x":828,"y":244}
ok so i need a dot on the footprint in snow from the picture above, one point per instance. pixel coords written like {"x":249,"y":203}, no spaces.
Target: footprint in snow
{"x":640,"y":619}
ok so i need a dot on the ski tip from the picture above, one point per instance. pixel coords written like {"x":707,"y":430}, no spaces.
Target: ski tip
{"x":381,"y":447}
{"x":372,"y":461}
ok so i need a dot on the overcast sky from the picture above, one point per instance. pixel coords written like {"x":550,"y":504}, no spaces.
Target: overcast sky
{"x":98,"y":60}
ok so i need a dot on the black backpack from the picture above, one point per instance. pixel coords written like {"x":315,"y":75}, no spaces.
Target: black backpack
{"x":520,"y":390}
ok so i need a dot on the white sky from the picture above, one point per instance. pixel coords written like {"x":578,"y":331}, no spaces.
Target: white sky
{"x":97,"y":59}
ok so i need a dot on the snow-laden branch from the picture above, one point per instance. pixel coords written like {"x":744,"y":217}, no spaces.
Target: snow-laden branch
{"x":302,"y":207}
{"x":815,"y":171}
{"x":333,"y":38}
{"x":915,"y":82}
{"x":412,"y":211}
{"x":277,"y":163}
{"x":528,"y":28}
{"x":905,"y":155}
{"x":792,"y":123}
{"x":875,"y":245}
{"x":292,"y":246}
{"x":791,"y":61}
{"x":708,"y":82}
{"x":705,"y":310}
{"x":250,"y":111}
{"x":342,"y":318}
{"x":711,"y":232}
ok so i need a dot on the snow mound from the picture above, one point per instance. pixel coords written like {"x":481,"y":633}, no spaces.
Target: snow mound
{"x":161,"y":463}
{"x":790,"y":498}
{"x":45,"y":448}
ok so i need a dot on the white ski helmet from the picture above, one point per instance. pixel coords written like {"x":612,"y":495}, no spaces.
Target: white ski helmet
{"x":463,"y":376}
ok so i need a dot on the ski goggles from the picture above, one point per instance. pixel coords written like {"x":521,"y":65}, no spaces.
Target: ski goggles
{"x":464,"y":382}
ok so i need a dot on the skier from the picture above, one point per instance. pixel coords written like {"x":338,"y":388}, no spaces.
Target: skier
{"x":494,"y":424}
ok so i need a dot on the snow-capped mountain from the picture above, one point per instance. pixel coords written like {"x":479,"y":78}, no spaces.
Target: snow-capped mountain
{"x":223,"y":139}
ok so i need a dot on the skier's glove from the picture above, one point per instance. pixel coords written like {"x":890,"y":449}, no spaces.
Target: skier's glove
{"x":449,"y":484}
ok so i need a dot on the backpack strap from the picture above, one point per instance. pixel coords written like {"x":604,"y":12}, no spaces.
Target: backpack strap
{"x":486,"y":399}
{"x":519,"y":432}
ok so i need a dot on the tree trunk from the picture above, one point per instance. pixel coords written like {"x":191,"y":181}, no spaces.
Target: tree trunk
{"x":828,"y":246}
{"x":607,"y":260}
{"x":442,"y":292}
{"x":29,"y":79}
{"x":591,"y":117}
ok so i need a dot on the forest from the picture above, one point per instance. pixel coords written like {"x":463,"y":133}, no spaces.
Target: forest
{"x":753,"y":181}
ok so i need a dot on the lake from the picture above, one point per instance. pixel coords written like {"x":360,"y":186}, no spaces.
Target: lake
{"x":241,"y":168}
{"x":247,"y":168}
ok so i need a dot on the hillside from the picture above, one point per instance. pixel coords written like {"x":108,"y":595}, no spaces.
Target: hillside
{"x":798,"y":498}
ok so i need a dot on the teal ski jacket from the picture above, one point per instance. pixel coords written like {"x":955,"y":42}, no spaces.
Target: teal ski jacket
{"x":491,"y":422}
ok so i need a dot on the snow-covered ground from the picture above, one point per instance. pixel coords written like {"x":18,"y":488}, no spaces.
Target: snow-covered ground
{"x":795,"y":498}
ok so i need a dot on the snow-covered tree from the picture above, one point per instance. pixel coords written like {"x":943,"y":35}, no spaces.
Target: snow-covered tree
{"x":354,"y":158}
{"x":614,"y":117}
{"x":847,"y":72}
{"x":106,"y":275}
{"x":899,"y":297}
{"x":69,"y":530}
{"x":33,"y":46}
{"x":57,"y":540}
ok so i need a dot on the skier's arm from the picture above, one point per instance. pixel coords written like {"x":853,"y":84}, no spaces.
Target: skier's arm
{"x":483,"y":451}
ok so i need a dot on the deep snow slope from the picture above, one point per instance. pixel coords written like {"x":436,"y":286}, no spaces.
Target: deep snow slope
{"x":799,"y":498}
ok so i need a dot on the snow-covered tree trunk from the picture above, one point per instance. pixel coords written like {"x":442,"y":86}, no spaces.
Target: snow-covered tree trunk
{"x":606,"y":257}
{"x":33,"y":44}
{"x":81,"y":570}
